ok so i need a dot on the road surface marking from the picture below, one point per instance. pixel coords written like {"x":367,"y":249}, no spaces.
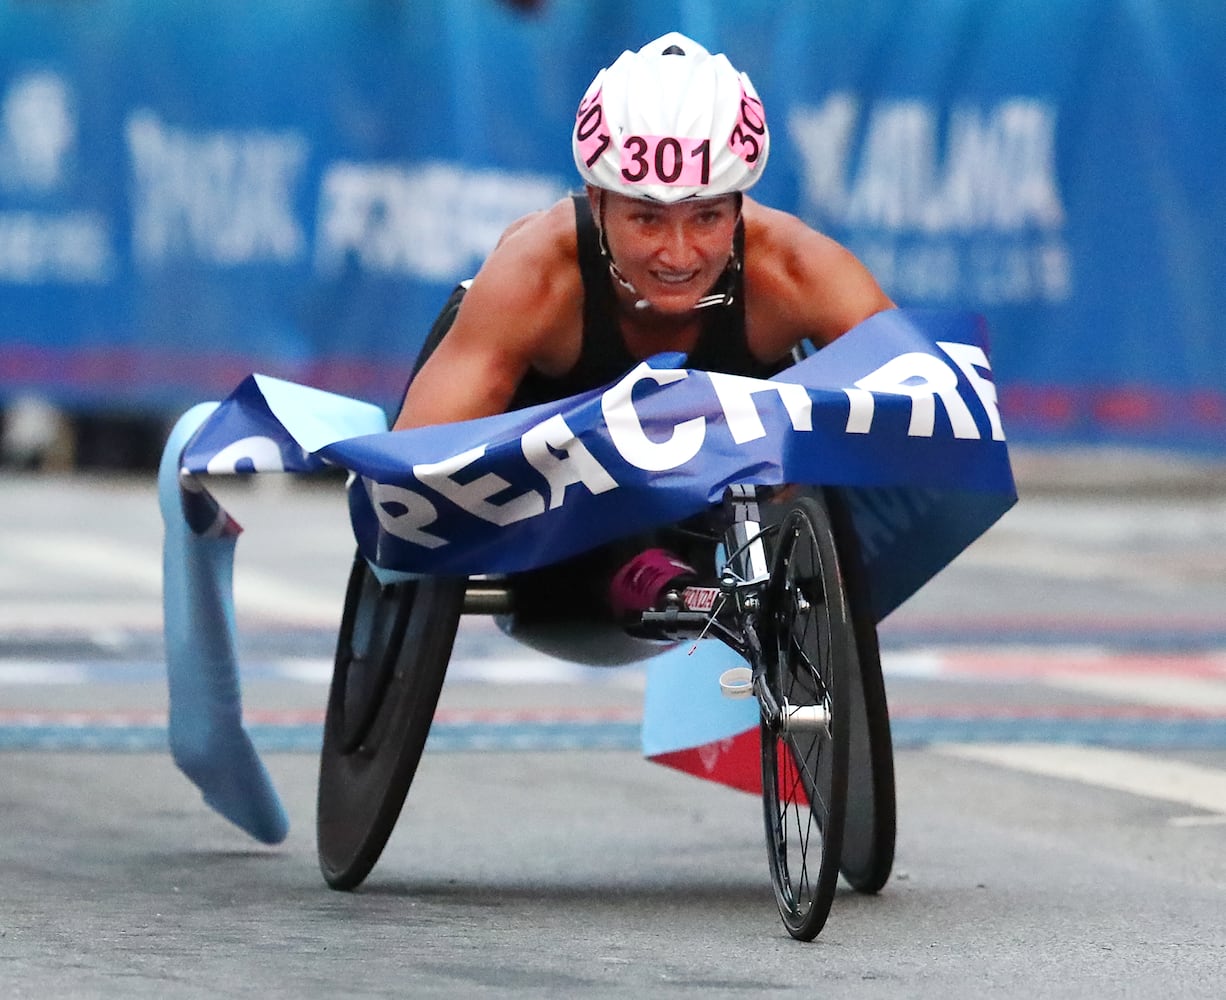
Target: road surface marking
{"x":70,"y":557}
{"x":1200,"y":819}
{"x":1119,"y":770}
{"x":42,"y":672}
{"x":1164,"y":690}
{"x":257,"y":593}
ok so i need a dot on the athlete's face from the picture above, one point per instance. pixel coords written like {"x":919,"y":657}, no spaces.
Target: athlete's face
{"x":671,"y":254}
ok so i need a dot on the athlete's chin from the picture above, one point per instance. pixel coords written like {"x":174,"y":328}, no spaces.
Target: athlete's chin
{"x":671,"y":305}
{"x":672,"y":300}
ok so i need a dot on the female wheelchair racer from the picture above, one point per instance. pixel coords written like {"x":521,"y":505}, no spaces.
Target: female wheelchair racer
{"x":725,"y":281}
{"x":791,"y":598}
{"x":662,"y":253}
{"x":798,"y":601}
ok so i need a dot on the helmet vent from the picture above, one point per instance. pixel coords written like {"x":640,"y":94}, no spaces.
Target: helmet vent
{"x":673,"y":50}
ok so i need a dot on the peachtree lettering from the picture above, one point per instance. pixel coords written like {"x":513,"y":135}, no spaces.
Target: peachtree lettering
{"x":925,"y":379}
{"x":563,"y":459}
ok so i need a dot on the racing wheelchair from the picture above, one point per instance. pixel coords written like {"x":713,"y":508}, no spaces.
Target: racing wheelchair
{"x":790,"y":599}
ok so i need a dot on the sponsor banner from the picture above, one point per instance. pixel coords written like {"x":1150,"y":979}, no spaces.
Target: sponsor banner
{"x":297,"y":194}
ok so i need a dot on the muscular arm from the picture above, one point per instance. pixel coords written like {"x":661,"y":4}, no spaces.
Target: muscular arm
{"x":513,"y":316}
{"x":802,"y":284}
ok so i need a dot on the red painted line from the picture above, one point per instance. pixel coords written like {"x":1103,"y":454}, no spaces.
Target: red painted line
{"x":1156,"y":713}
{"x":1041,"y":663}
{"x":105,"y":371}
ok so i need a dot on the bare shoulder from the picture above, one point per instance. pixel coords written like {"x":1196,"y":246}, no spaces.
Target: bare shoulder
{"x":528,"y":286}
{"x":557,"y":222}
{"x":538,"y":249}
{"x":791,"y":256}
{"x":514,"y":317}
{"x":801,"y":283}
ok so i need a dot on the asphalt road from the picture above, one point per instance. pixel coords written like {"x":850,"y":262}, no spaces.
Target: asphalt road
{"x":1059,"y":705}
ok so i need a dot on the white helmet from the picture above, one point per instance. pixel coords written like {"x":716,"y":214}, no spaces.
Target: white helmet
{"x":671,"y":121}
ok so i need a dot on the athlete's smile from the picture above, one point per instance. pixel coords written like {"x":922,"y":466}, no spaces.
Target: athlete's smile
{"x":675,"y":277}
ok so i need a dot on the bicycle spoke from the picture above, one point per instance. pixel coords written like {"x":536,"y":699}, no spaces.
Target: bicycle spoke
{"x":804,"y":882}
{"x":791,"y":816}
{"x":808,"y":777}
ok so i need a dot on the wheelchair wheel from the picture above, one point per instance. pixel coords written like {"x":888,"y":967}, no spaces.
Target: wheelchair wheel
{"x":809,"y":650}
{"x":869,"y":829}
{"x":391,"y":658}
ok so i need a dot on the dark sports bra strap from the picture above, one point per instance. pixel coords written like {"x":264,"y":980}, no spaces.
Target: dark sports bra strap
{"x":603,"y":349}
{"x":592,"y":264}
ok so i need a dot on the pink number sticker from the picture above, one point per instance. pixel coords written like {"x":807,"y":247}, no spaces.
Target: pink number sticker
{"x":749,"y":134}
{"x":591,"y":135}
{"x":665,"y":159}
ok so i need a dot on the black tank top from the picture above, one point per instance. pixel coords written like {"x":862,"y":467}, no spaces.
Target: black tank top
{"x":603,"y":357}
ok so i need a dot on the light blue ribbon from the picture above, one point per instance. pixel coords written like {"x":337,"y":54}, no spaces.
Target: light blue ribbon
{"x":207,"y":738}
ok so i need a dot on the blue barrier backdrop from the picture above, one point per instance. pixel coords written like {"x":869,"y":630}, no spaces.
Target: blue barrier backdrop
{"x":190,"y":192}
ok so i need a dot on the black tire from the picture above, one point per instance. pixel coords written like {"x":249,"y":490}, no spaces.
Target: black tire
{"x":809,"y":648}
{"x":391,"y":659}
{"x":870,"y":827}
